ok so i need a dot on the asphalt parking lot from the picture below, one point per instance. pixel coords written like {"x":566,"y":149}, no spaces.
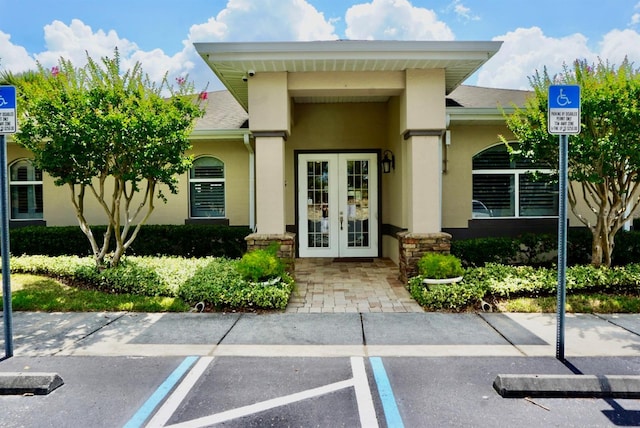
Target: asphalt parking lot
{"x":412,"y":370}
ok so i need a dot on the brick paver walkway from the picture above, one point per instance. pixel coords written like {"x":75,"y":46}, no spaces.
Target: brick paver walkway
{"x":325,"y":285}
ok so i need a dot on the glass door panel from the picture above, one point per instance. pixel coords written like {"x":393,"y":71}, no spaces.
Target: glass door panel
{"x":337,"y":205}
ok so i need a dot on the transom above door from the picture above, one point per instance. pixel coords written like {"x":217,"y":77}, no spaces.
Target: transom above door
{"x":338,"y":205}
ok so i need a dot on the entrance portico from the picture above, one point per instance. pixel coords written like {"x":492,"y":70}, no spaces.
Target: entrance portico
{"x":333,"y":97}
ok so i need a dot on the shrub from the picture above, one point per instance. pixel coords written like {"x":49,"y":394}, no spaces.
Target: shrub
{"x":478,"y":251}
{"x":145,"y":276}
{"x":221,"y":285}
{"x":536,"y":249}
{"x":454,"y":297}
{"x":439,"y":266}
{"x":495,"y":281}
{"x":261,"y":264}
{"x":215,"y":281}
{"x":153,"y":240}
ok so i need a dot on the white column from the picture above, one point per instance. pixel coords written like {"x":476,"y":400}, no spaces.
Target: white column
{"x":270,"y":184}
{"x":424,"y":183}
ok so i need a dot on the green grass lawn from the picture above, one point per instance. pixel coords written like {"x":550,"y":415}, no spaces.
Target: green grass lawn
{"x":40,"y":293}
{"x":580,"y":303}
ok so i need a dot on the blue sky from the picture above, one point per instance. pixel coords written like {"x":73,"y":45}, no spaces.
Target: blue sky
{"x":160,"y":33}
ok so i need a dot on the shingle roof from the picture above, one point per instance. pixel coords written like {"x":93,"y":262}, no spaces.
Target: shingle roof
{"x":224,"y":112}
{"x":479,"y":97}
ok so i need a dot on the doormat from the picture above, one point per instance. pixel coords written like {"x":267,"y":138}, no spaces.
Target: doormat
{"x":353,"y":259}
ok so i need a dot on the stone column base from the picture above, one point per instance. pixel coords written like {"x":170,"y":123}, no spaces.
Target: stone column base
{"x":286,"y":251}
{"x":414,"y":245}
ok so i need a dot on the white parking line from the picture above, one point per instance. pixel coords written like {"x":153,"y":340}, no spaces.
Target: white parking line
{"x":172,"y":403}
{"x":363,"y":394}
{"x":261,"y":407}
{"x":359,"y":382}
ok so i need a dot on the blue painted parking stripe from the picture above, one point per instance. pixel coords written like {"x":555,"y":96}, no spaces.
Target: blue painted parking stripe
{"x":149,"y":406}
{"x":389,"y":405}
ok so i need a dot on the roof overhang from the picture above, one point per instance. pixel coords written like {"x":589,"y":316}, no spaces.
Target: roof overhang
{"x":478,"y":116}
{"x":231,"y":62}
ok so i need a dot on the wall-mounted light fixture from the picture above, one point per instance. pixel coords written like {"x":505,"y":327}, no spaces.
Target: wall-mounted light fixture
{"x":388,"y":163}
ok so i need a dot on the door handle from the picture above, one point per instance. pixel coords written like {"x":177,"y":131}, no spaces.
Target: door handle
{"x":341,"y":218}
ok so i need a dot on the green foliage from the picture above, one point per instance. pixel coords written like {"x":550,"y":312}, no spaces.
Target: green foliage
{"x":439,"y":266}
{"x":145,"y":276}
{"x":222,"y":286}
{"x":450,"y":297}
{"x":152,"y":240}
{"x":498,"y":282}
{"x":541,"y":249}
{"x":604,"y":163}
{"x":36,"y":293}
{"x":582,"y":303}
{"x":214,"y":281}
{"x":96,"y":127}
{"x":261,"y":265}
{"x":478,"y":251}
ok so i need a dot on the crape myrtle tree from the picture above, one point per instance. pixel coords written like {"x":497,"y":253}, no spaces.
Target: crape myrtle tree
{"x":111,"y":134}
{"x":604,"y":159}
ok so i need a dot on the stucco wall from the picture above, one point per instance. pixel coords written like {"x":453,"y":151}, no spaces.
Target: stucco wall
{"x":58,"y":210}
{"x":332,"y":126}
{"x":467,"y":141}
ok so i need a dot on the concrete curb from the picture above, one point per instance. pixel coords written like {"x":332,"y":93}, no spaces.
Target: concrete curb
{"x":567,"y":386}
{"x":29,"y":383}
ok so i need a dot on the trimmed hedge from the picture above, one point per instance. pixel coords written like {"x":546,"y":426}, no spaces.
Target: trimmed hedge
{"x":152,"y":240}
{"x":541,"y":249}
{"x":215,"y":281}
{"x":495,"y":281}
{"x":222,"y":286}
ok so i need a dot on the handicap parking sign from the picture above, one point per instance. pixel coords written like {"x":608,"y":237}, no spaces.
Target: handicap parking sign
{"x":7,"y":109}
{"x":564,"y":110}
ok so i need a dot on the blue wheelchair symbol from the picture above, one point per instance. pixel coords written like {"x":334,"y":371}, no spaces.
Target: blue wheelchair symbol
{"x":562,"y":99}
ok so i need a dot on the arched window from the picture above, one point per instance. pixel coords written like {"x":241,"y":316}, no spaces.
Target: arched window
{"x":25,"y":187}
{"x":508,"y":185}
{"x":207,"y":187}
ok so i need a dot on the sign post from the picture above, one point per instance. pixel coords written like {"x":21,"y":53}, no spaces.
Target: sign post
{"x":563,"y":119}
{"x":8,"y":125}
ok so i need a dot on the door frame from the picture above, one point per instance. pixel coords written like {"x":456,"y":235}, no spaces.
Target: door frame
{"x":378,"y":184}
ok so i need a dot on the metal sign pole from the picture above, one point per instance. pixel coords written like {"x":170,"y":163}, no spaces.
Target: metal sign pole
{"x":563,"y":119}
{"x":562,"y":244}
{"x":4,"y":247}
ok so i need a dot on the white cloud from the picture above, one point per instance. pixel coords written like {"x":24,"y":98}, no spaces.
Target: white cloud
{"x":75,"y":41}
{"x":463,"y":11}
{"x":13,"y":57}
{"x":618,"y":44}
{"x":526,"y":50}
{"x":249,"y":20}
{"x":266,"y":20}
{"x":394,"y":19}
{"x":240,"y":20}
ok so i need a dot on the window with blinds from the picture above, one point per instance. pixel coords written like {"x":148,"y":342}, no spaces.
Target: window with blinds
{"x":207,"y":188}
{"x":25,"y":188}
{"x":507,"y":185}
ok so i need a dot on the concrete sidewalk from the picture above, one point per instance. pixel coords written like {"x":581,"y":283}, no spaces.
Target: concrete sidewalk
{"x":346,"y":334}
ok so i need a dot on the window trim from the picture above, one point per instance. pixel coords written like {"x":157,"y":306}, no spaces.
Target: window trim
{"x":516,"y":173}
{"x":18,"y":183}
{"x":222,"y":180}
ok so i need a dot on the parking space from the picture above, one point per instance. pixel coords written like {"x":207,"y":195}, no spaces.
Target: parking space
{"x":317,"y":391}
{"x":289,"y":369}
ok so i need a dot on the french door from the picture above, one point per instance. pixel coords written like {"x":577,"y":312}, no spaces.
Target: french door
{"x":338,"y":205}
